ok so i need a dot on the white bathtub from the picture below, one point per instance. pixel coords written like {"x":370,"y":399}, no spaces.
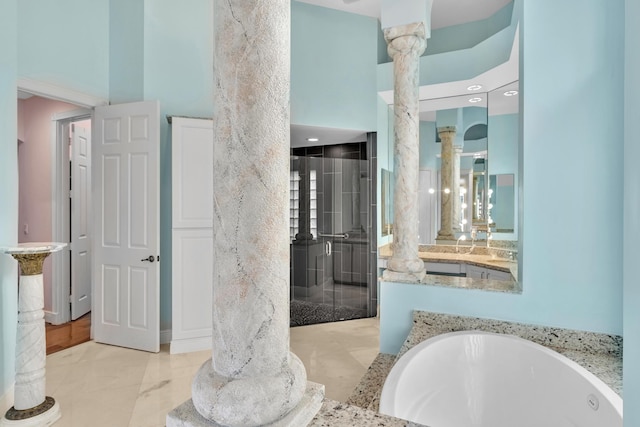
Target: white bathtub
{"x":479,"y":379}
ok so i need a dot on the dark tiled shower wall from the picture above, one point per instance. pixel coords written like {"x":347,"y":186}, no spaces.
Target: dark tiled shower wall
{"x":346,"y":290}
{"x":372,"y":144}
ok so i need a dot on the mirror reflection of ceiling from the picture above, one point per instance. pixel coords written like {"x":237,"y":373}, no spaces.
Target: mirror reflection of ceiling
{"x":301,"y":135}
{"x":440,"y":96}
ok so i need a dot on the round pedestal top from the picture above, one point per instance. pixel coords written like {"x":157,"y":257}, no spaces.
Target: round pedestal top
{"x":33,"y":248}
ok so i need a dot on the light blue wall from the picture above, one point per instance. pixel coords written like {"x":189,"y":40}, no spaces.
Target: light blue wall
{"x":572,"y":181}
{"x":66,"y":43}
{"x":178,"y":72}
{"x":503,"y":134}
{"x":631,"y":218}
{"x":429,"y":149}
{"x":333,"y":62}
{"x":8,"y":192}
{"x":126,"y":51}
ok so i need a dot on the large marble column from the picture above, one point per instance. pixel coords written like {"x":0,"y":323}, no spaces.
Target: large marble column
{"x":252,"y":378}
{"x":447,"y":135}
{"x":405,"y":45}
{"x":31,"y":407}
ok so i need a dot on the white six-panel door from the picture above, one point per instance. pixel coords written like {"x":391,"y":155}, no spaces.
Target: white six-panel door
{"x":80,"y":222}
{"x":126,"y":225}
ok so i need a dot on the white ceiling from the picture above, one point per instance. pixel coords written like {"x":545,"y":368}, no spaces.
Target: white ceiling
{"x":444,"y":13}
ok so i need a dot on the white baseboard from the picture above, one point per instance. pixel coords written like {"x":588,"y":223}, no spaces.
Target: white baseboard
{"x":189,"y":345}
{"x":6,"y":400}
{"x":165,"y":336}
{"x":52,"y":317}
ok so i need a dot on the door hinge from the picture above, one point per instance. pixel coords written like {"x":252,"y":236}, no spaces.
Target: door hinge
{"x":70,"y":298}
{"x":70,"y":194}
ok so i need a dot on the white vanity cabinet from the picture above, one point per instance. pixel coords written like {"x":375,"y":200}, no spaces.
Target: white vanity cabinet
{"x":476,"y":272}
{"x":192,"y":234}
{"x":444,"y":268}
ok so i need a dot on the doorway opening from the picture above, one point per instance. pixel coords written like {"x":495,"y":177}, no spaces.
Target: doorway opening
{"x":332,"y":232}
{"x":54,"y":139}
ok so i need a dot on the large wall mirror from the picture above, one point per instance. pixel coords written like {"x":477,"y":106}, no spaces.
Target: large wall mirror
{"x":487,"y":149}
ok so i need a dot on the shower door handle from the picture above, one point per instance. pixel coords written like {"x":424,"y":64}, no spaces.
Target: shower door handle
{"x":335,"y":236}
{"x":327,"y":248}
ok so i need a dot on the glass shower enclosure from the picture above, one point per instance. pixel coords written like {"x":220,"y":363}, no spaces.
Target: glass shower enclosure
{"x":333,"y":254}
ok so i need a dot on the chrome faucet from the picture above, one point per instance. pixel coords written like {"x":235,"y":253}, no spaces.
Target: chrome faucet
{"x":463,"y":237}
{"x":474,"y":236}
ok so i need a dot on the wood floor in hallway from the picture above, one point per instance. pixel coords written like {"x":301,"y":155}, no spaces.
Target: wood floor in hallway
{"x":69,"y":334}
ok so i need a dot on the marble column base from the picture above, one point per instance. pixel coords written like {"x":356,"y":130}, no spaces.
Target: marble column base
{"x":443,"y":236}
{"x":404,"y":277}
{"x":186,"y":414}
{"x":43,"y":419}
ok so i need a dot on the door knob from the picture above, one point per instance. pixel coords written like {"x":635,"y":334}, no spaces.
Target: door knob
{"x":150,"y":259}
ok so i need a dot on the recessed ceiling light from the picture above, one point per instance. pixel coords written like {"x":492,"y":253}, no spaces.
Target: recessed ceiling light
{"x":511,"y":93}
{"x":474,"y":87}
{"x":312,"y":139}
{"x":474,"y":100}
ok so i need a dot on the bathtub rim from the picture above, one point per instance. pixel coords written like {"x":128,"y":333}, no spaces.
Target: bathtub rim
{"x":387,"y":395}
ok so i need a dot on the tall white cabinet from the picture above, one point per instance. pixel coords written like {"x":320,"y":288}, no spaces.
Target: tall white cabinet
{"x":192,"y":233}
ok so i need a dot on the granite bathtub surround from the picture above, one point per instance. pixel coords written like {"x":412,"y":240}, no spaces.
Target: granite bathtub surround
{"x":601,"y":354}
{"x":405,"y":44}
{"x":252,"y":378}
{"x":447,"y":135}
{"x":337,"y":414}
{"x":31,"y":406}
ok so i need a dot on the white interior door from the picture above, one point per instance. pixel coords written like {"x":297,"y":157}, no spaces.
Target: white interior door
{"x":126,"y":225}
{"x":80,"y":224}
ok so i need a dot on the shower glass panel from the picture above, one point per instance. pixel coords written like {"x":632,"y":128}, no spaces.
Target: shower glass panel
{"x":330,"y":229}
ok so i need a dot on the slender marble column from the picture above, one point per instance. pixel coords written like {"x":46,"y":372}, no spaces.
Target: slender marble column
{"x":31,"y":406}
{"x":447,"y":135}
{"x":457,"y":216}
{"x":252,"y":378}
{"x":405,"y":45}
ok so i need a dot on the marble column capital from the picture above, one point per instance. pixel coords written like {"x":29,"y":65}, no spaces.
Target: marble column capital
{"x":31,"y":264}
{"x":406,"y":39}
{"x":446,"y":131}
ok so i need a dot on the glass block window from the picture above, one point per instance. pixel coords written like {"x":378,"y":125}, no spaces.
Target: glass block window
{"x":294,"y":204}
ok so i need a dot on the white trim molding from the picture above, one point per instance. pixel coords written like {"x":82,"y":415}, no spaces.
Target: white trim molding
{"x":189,"y":345}
{"x":60,"y":214}
{"x":60,"y":93}
{"x":165,"y":336}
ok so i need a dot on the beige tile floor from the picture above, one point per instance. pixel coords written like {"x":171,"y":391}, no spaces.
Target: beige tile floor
{"x":99,"y":385}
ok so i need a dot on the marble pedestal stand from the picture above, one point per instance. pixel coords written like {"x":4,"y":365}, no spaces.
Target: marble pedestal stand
{"x":31,"y":407}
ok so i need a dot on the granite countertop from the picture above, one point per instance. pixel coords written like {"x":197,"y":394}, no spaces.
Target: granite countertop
{"x":482,"y":257}
{"x":338,"y":414}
